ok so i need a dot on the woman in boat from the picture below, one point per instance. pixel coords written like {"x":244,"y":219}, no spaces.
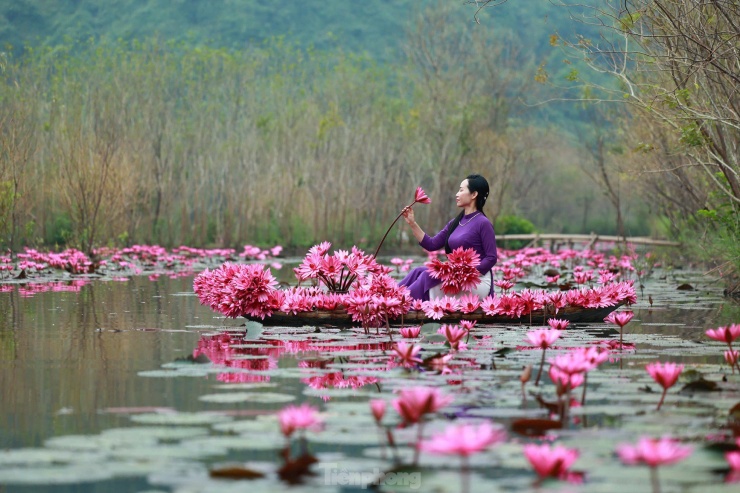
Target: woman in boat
{"x":470,"y":229}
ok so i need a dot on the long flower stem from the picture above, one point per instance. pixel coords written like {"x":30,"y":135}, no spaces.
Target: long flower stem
{"x":330,"y":284}
{"x":375,"y":255}
{"x":542,"y":363}
{"x":565,"y":418}
{"x":417,"y":450}
{"x":380,"y":442}
{"x":737,"y":360}
{"x":348,"y":282}
{"x":392,"y":443}
{"x":654,"y":479}
{"x":585,"y":384}
{"x":465,"y":474}
{"x":662,"y":398}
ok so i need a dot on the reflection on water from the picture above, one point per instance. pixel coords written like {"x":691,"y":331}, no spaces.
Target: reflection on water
{"x":71,"y":355}
{"x":68,"y":357}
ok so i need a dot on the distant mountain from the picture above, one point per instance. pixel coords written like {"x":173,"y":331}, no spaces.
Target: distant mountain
{"x":376,"y":27}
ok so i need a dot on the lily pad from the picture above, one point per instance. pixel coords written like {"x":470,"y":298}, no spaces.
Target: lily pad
{"x":260,"y":397}
{"x":187,"y":419}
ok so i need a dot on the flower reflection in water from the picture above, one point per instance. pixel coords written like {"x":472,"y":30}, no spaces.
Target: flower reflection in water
{"x":252,"y":357}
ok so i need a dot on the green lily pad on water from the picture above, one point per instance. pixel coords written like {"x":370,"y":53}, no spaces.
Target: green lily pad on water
{"x":168,"y":451}
{"x":260,"y":397}
{"x":99,"y":443}
{"x":68,"y":474}
{"x":167,"y":433}
{"x":187,"y":419}
{"x":262,"y":441}
{"x":262,"y":424}
{"x":34,"y":456}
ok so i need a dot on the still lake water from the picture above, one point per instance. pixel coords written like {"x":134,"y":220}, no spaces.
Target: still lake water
{"x":93,"y":397}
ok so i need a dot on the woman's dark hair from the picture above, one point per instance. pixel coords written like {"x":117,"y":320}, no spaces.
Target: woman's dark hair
{"x":476,"y":183}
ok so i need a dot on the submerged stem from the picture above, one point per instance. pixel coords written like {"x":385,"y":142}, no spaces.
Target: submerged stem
{"x":654,"y":479}
{"x":585,"y":383}
{"x":737,"y":360}
{"x":565,"y":417}
{"x":662,"y":398}
{"x":542,"y":363}
{"x":418,"y":443}
{"x":465,"y":474}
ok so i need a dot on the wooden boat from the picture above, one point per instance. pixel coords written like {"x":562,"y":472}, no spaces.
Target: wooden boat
{"x":340,"y":317}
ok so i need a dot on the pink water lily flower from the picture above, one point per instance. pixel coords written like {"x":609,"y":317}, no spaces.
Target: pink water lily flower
{"x":410,"y":332}
{"x":464,"y":440}
{"x":733,"y":459}
{"x":666,"y":375}
{"x":421,"y":196}
{"x":413,"y":403}
{"x":558,"y":324}
{"x":303,"y":417}
{"x":504,"y":284}
{"x":621,"y":319}
{"x":542,"y":338}
{"x":407,"y":353}
{"x":732,"y":357}
{"x":653,"y":452}
{"x":550,"y":462}
{"x":453,"y":333}
{"x":377,"y":406}
{"x":564,"y":381}
{"x":469,"y":303}
{"x":726,"y":334}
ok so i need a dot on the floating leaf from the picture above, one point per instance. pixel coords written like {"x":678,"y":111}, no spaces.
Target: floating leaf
{"x":700,"y":385}
{"x":181,"y":418}
{"x":235,"y":472}
{"x":232,"y":397}
{"x":200,"y":359}
{"x":269,"y":440}
{"x":293,"y":471}
{"x":533,"y":427}
{"x":70,"y":474}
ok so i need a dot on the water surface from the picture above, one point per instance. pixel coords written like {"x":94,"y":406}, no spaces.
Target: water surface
{"x":96,"y":396}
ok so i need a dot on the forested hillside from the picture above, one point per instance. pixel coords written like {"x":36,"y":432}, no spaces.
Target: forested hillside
{"x":248,"y":121}
{"x":373,"y":26}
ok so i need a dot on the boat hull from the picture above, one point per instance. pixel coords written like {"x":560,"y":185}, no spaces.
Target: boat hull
{"x":340,"y":317}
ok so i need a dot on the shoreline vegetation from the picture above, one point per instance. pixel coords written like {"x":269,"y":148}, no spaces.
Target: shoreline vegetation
{"x":163,"y":142}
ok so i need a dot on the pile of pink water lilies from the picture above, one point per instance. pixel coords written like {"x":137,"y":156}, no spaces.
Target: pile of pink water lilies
{"x":133,"y":260}
{"x":356,"y":282}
